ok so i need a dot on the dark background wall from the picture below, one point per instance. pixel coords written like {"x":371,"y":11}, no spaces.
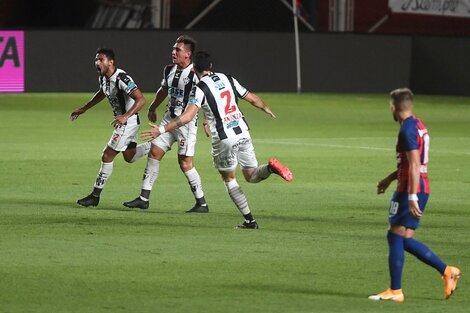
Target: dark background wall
{"x":64,"y":60}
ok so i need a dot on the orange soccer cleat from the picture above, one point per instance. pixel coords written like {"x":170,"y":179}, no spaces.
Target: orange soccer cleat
{"x":451,"y":277}
{"x":389,"y":294}
{"x":280,"y":169}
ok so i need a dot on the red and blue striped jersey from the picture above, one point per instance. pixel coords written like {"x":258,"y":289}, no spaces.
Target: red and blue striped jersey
{"x":413,"y":135}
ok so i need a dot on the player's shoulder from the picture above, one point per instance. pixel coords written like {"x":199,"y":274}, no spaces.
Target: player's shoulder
{"x":121,"y":74}
{"x":409,"y":126}
{"x":167,"y":69}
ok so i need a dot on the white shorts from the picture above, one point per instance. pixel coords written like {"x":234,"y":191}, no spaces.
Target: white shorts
{"x":123,"y":136}
{"x":186,"y":137}
{"x":227,"y":153}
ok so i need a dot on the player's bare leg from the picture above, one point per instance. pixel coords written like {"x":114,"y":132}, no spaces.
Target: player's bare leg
{"x":150,"y":176}
{"x":194,"y":180}
{"x":105,"y":172}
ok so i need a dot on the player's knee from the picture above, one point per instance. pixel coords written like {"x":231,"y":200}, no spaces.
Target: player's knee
{"x":186,"y":164}
{"x":107,"y":157}
{"x":128,"y":159}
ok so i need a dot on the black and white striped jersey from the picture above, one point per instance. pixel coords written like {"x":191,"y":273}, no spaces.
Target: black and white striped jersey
{"x":117,"y":89}
{"x":179,"y":83}
{"x":217,"y":94}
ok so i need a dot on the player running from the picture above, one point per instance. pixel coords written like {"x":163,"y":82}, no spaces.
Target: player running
{"x":178,"y":80}
{"x":217,"y":94}
{"x":409,"y":200}
{"x":126,"y":100}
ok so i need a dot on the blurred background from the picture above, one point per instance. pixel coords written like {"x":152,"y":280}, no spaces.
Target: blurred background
{"x":330,"y":45}
{"x":262,"y":15}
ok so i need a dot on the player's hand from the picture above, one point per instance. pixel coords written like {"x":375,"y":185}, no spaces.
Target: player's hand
{"x":268,"y":111}
{"x":150,"y":134}
{"x":119,"y":120}
{"x":75,"y":114}
{"x":152,"y":115}
{"x":414,"y":209}
{"x":383,"y":185}
{"x":206,"y":128}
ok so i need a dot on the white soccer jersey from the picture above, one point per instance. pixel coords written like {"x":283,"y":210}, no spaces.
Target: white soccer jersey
{"x":118,"y":89}
{"x":179,"y":83}
{"x":217,"y":94}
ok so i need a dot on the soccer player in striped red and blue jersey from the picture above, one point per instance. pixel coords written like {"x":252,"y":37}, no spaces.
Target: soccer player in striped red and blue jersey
{"x":410,"y":198}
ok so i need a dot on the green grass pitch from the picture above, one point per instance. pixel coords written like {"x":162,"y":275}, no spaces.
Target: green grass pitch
{"x":321,"y":245}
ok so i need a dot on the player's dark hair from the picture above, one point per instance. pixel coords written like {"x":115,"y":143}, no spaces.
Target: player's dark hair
{"x":109,"y":53}
{"x":401,"y":95}
{"x":187,"y":41}
{"x":202,"y":61}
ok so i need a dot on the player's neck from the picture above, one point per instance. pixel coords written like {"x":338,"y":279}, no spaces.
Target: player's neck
{"x":110,"y":72}
{"x":184,"y":64}
{"x":404,"y":115}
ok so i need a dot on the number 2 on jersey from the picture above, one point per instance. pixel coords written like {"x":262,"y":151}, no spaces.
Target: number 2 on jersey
{"x":228,"y":107}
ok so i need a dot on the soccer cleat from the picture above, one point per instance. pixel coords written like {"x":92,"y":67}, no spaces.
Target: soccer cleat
{"x":451,"y":277}
{"x":248,"y":225}
{"x":89,"y":200}
{"x":199,"y":209}
{"x":389,"y":294}
{"x":280,"y":169}
{"x":137,"y":203}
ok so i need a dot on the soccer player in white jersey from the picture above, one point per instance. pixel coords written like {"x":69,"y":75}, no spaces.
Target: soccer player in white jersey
{"x":217,"y":94}
{"x":126,"y":100}
{"x":178,"y":80}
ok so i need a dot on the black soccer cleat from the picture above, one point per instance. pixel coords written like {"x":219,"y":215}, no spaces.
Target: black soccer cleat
{"x":248,"y":225}
{"x":89,"y":200}
{"x":137,"y":203}
{"x":199,"y":209}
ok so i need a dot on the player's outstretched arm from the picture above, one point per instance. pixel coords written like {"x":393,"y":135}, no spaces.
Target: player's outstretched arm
{"x":139,"y":102}
{"x":97,"y":97}
{"x":384,"y":183}
{"x":183,"y":119}
{"x":256,"y":101}
{"x":161,"y":94}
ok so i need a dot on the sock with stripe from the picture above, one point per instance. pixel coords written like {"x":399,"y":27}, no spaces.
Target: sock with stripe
{"x":238,"y":197}
{"x":260,"y":173}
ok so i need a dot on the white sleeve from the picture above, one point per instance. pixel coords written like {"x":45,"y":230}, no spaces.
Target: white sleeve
{"x":196,"y":97}
{"x":126,"y":83}
{"x":242,"y":91}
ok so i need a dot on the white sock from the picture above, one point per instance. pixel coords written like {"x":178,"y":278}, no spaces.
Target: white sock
{"x":105,"y":172}
{"x":237,"y":196}
{"x":150,"y":173}
{"x":140,"y":151}
{"x":194,"y":181}
{"x":261,"y":173}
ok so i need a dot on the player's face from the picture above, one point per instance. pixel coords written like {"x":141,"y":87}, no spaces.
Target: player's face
{"x":103,"y":64}
{"x":179,"y":54}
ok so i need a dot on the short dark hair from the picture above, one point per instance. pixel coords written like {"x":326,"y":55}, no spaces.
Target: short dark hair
{"x":109,"y":53}
{"x":202,"y":61}
{"x":400,"y":95}
{"x":187,"y":41}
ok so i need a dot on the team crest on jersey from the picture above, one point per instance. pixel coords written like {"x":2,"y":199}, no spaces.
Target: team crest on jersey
{"x":186,"y":80}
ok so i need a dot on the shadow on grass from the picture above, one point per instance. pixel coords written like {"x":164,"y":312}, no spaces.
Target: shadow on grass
{"x":292,"y":289}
